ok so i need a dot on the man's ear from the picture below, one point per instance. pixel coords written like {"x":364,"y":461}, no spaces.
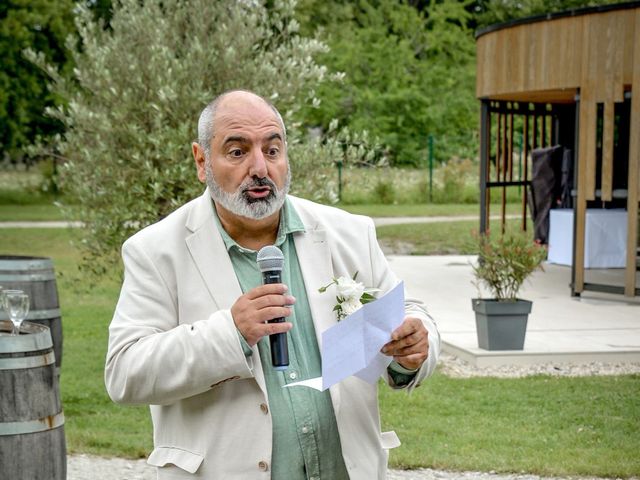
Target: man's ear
{"x":198,"y":156}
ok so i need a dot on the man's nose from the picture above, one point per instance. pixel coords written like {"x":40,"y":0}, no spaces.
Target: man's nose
{"x":258,"y":165}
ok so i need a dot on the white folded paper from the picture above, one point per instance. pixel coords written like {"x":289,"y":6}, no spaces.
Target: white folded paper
{"x":352,"y":347}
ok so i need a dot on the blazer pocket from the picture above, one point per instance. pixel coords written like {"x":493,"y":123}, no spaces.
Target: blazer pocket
{"x":184,"y":459}
{"x":389,"y":440}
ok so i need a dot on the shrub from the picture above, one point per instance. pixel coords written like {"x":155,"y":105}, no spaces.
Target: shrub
{"x":506,"y":261}
{"x":384,"y":192}
{"x":137,"y":90}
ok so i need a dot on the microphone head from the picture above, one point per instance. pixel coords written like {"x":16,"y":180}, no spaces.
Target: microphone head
{"x":270,"y":258}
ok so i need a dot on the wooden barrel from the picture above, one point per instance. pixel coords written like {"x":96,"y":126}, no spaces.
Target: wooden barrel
{"x":36,"y":277}
{"x":32,"y":443}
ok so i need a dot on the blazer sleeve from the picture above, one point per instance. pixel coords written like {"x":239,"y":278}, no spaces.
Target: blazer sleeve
{"x":385,"y":279}
{"x":153,"y":358}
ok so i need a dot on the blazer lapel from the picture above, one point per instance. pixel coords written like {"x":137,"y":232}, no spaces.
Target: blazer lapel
{"x":210,"y":255}
{"x":212,"y":260}
{"x":314,"y":257}
{"x":315,"y":262}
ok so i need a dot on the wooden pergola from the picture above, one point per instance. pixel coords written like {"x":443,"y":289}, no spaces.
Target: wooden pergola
{"x":571,"y":79}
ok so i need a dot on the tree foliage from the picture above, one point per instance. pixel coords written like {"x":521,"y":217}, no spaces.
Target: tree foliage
{"x":42,"y":25}
{"x":132,"y":104}
{"x":490,"y":12}
{"x":407,"y":73}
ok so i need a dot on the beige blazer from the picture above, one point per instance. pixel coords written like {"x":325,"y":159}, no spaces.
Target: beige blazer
{"x":173,"y":344}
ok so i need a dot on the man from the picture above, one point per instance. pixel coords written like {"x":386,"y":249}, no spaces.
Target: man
{"x":189,"y":335}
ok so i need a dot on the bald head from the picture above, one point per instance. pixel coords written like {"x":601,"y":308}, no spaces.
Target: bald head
{"x":221,"y":105}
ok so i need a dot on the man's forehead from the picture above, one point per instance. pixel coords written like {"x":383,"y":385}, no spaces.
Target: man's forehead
{"x":241,"y":115}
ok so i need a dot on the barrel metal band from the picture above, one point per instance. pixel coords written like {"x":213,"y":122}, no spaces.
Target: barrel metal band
{"x":38,"y":337}
{"x":32,"y":426}
{"x":17,"y":363}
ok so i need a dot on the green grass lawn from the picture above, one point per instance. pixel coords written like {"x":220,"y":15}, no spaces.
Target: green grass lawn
{"x":412,"y":210}
{"x":31,"y":213}
{"x":544,"y":425}
{"x":446,"y":238}
{"x":424,"y":209}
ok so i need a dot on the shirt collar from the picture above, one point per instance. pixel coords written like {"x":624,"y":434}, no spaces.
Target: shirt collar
{"x":290,"y":222}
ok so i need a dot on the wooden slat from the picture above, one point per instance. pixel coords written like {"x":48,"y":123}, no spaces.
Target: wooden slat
{"x":486,"y":175}
{"x":525,"y":169}
{"x":588,"y":96}
{"x":600,"y":60}
{"x":588,"y":129}
{"x":621,"y":42}
{"x":634,"y":169}
{"x":606,"y":182}
{"x":505,"y":155}
{"x":505,"y":148}
{"x":511,"y":147}
{"x":498,"y":148}
{"x":627,"y":49}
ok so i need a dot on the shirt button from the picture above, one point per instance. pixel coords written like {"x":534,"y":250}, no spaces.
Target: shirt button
{"x":264,"y":408}
{"x":264,"y":466}
{"x":293,"y":375}
{"x":305,"y":429}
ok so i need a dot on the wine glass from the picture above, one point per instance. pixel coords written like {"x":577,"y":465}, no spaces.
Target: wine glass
{"x":16,"y":303}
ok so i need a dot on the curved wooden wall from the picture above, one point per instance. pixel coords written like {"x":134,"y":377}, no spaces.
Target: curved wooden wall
{"x":595,"y":54}
{"x":549,"y":60}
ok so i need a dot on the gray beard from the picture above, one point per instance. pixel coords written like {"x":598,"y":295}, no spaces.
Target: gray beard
{"x":239,"y":203}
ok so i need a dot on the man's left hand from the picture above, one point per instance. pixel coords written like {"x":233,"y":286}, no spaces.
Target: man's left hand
{"x":409,"y":344}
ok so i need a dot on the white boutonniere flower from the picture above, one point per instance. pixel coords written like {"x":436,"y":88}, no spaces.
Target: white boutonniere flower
{"x":351,"y":295}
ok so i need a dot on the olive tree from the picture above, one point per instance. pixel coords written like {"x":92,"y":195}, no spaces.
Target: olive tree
{"x":132,"y":105}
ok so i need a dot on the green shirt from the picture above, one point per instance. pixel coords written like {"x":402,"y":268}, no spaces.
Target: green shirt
{"x":306,"y":444}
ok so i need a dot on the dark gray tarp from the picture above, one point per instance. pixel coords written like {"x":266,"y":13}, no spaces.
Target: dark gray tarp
{"x":546,"y":187}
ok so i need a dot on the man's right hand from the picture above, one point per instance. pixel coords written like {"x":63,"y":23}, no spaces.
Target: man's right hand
{"x":253,"y":309}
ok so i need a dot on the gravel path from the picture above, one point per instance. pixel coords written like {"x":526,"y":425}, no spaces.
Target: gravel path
{"x":454,"y":367}
{"x":87,"y":467}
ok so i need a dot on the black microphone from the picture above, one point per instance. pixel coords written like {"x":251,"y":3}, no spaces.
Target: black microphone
{"x":270,"y":262}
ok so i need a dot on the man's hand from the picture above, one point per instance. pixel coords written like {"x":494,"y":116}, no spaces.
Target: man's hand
{"x":257,"y":306}
{"x":409,"y":344}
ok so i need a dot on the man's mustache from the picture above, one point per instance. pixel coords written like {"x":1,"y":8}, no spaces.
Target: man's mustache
{"x":258,"y":182}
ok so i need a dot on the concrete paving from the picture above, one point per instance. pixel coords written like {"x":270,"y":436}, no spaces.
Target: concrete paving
{"x":562,"y":329}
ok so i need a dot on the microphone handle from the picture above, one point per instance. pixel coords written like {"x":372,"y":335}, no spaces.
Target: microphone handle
{"x":277,"y":341}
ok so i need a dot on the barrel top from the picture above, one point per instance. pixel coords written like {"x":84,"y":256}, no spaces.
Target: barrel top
{"x":18,"y":262}
{"x":33,"y":337}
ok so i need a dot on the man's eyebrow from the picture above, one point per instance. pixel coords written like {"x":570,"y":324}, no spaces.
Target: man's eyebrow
{"x":274,"y":136}
{"x":235,"y":138}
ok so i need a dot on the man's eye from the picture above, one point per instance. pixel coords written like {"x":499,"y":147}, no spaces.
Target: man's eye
{"x":273,"y":152}
{"x":236,"y":152}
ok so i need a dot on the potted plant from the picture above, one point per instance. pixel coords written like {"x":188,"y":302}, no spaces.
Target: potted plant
{"x":504,"y":263}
